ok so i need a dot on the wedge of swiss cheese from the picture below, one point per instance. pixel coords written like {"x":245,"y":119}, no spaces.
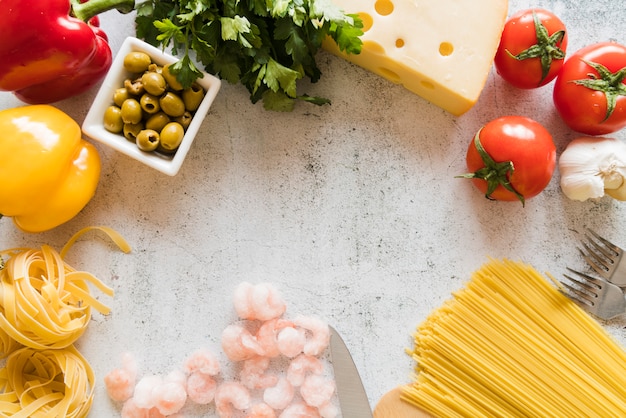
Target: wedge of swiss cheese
{"x":441,"y":50}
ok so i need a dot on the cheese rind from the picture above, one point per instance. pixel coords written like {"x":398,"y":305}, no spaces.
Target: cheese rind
{"x":441,"y":50}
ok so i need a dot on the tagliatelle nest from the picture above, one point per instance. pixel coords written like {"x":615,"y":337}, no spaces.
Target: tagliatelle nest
{"x":44,"y":302}
{"x":46,"y":383}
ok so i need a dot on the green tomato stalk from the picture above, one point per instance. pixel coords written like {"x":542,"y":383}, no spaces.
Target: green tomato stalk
{"x":611,"y":84}
{"x":546,"y":49}
{"x":494,"y":173}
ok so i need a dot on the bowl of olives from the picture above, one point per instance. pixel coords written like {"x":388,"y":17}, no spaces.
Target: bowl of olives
{"x":141,"y":109}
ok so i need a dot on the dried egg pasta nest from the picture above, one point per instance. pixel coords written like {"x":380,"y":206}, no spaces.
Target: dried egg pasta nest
{"x":44,"y":302}
{"x":46,"y":383}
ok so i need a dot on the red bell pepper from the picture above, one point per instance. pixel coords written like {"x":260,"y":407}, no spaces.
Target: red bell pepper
{"x":50,"y":51}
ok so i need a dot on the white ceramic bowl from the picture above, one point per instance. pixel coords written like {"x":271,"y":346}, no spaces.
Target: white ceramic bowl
{"x":93,"y":125}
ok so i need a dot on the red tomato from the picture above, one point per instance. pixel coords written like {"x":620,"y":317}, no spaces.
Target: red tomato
{"x":517,"y":159}
{"x":532,"y":48}
{"x":590,"y":91}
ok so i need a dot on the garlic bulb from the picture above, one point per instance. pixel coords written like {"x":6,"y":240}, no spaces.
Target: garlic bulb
{"x":591,"y":167}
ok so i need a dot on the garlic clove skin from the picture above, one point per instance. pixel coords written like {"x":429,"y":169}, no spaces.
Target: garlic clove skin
{"x":591,"y":167}
{"x":617,"y":193}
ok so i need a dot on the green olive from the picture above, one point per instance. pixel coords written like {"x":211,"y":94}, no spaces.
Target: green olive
{"x":184,"y":120}
{"x":134,"y":87}
{"x":153,"y":83}
{"x":150,"y":103}
{"x":131,"y":111}
{"x":148,"y":140}
{"x":120,"y":95}
{"x":171,"y":79}
{"x":172,"y":104}
{"x":131,"y":130}
{"x":137,"y":62}
{"x":113,"y":119}
{"x":171,"y":137}
{"x":157,"y":121}
{"x":192,"y":97}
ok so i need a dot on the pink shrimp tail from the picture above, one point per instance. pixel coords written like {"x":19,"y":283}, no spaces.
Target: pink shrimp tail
{"x":267,"y":335}
{"x":230,"y":396}
{"x":261,"y":410}
{"x":203,"y":361}
{"x":239,"y":344}
{"x":299,"y":410}
{"x":120,"y":382}
{"x":201,"y":388}
{"x":317,"y":390}
{"x":254,"y":373}
{"x":302,"y":365}
{"x":319,"y":337}
{"x":258,"y":302}
{"x":279,"y":396}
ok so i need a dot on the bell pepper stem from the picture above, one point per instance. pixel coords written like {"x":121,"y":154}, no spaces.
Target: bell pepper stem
{"x":91,"y":8}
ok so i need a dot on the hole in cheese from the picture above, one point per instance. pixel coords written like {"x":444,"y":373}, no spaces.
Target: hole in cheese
{"x":399,"y":43}
{"x":367,"y":21}
{"x":390,"y":75}
{"x":446,"y":48}
{"x":384,"y":7}
{"x":427,"y":84}
{"x":374,"y":47}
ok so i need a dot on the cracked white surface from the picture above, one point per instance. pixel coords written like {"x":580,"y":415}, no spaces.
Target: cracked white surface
{"x":351,"y":210}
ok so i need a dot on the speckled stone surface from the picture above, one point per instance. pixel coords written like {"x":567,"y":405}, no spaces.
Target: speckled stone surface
{"x":353,"y":211}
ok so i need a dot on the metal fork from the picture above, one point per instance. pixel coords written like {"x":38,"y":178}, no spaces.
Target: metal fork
{"x":596,"y":296}
{"x":605,"y":258}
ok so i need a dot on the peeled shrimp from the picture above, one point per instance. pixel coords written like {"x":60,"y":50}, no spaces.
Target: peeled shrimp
{"x":302,"y":365}
{"x":317,"y":390}
{"x":268,"y":333}
{"x":290,"y":341}
{"x":203,"y":361}
{"x":170,"y":396}
{"x":120,"y":382}
{"x":261,"y":410}
{"x":319,"y":337}
{"x":299,"y":410}
{"x":144,"y":396}
{"x":239,"y":344}
{"x":258,"y":302}
{"x":131,"y":410}
{"x":279,"y":396}
{"x":254,"y":373}
{"x":229,"y":396}
{"x":176,"y":376}
{"x":328,"y":410}
{"x":201,"y":388}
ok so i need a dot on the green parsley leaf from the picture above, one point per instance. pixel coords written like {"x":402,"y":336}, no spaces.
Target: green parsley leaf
{"x":185,"y":71}
{"x":267,"y":46}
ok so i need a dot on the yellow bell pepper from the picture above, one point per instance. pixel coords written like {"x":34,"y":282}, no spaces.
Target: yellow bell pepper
{"x":48,"y":173}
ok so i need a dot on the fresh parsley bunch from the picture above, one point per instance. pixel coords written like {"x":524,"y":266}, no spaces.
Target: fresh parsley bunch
{"x":266,"y":45}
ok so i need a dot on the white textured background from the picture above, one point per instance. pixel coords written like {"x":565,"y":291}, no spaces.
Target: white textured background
{"x":351,"y":210}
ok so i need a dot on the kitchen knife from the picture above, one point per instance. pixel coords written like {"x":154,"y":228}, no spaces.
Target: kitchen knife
{"x":353,"y":400}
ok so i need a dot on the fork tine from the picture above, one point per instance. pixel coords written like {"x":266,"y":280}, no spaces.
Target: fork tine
{"x":587,"y":287}
{"x":615,"y":250}
{"x":582,"y":299}
{"x":596,"y":262}
{"x":600,"y":254}
{"x":595,"y":295}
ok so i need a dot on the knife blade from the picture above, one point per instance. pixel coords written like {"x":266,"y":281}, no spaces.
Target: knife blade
{"x":353,"y":400}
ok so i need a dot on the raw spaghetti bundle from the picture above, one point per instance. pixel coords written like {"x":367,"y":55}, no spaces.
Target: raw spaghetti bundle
{"x":511,"y":345}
